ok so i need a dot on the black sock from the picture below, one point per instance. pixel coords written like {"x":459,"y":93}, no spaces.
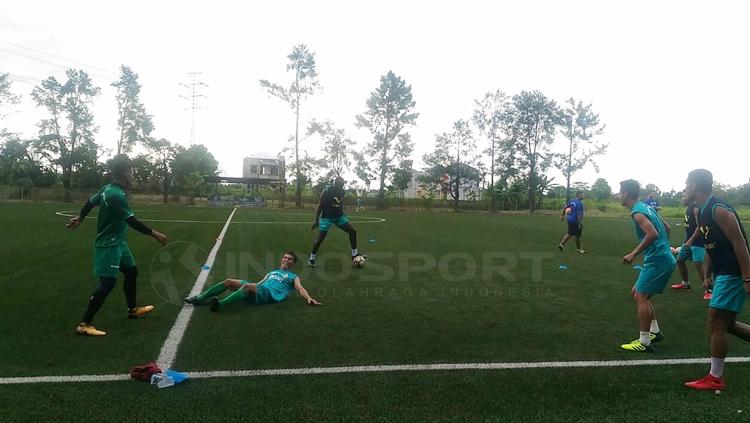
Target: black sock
{"x":98,"y":297}
{"x":131,"y":274}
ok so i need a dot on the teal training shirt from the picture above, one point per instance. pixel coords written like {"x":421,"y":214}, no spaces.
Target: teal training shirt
{"x":280,"y":283}
{"x":658,"y":252}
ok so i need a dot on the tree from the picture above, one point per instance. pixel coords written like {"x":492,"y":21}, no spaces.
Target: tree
{"x":335,"y":146}
{"x":17,"y":162}
{"x":362,"y":169}
{"x":601,"y":190}
{"x":134,"y":123}
{"x":580,"y":125}
{"x":6,"y":96}
{"x":302,"y":63}
{"x":656,"y":191}
{"x":458,"y":145}
{"x":69,"y":144}
{"x":389,"y":111}
{"x":162,"y":155}
{"x":189,"y":162}
{"x":532,"y":121}
{"x":490,"y":118}
{"x":402,"y":176}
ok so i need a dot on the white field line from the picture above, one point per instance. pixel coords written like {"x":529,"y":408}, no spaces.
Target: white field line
{"x":386,"y":368}
{"x":169,"y":349}
{"x":354,"y":220}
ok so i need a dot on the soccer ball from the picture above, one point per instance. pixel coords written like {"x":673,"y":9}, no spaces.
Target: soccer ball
{"x":358,"y":261}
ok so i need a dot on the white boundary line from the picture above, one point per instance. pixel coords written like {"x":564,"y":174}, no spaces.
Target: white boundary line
{"x":372,"y":220}
{"x":385,"y":368}
{"x":172,"y":343}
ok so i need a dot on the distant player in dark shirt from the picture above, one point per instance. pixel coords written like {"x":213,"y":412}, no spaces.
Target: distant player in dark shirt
{"x":111,"y":251}
{"x":653,"y":202}
{"x":331,"y":212}
{"x":692,"y":249}
{"x":727,"y":265}
{"x":573,"y":214}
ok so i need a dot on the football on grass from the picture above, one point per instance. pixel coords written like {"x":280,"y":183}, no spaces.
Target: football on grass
{"x":358,"y":261}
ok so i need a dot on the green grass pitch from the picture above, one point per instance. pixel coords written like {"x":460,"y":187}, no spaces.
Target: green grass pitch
{"x":437,"y":288}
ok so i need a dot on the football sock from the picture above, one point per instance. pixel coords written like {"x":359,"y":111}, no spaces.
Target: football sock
{"x":312,"y":256}
{"x":237,"y":295}
{"x":654,"y":326}
{"x":645,"y":338}
{"x":129,"y":286}
{"x":212,"y":292}
{"x":98,"y":297}
{"x":717,"y":367}
{"x":354,"y":252}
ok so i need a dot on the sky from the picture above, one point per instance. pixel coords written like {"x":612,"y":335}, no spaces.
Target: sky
{"x":670,"y":79}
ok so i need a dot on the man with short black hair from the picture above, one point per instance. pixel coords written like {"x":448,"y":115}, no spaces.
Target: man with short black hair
{"x":573,"y":213}
{"x":331,"y":212}
{"x":727,"y":263}
{"x":272,"y":289}
{"x":111,"y":251}
{"x":658,"y":264}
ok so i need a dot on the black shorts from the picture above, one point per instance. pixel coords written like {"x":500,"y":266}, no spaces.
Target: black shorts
{"x":574,"y":229}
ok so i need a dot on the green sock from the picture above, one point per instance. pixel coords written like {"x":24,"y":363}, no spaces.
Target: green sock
{"x":211,"y":292}
{"x":237,"y":295}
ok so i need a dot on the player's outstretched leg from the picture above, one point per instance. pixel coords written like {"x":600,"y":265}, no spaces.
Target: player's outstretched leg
{"x":213,"y":291}
{"x":316,"y":245}
{"x":349,"y":229}
{"x":95,"y":302}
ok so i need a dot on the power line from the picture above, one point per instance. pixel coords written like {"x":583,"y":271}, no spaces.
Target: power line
{"x":51,"y":63}
{"x":58,"y":57}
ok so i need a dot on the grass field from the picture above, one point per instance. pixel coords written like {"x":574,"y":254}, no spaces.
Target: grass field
{"x":438,"y":288}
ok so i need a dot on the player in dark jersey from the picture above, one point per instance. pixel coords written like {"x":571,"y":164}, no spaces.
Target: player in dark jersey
{"x":111,"y":251}
{"x":573,"y":214}
{"x":692,"y":249}
{"x":331,"y":212}
{"x":728,"y":263}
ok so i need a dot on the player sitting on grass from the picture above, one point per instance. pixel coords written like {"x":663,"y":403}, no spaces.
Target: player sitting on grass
{"x":658,"y":264}
{"x":111,"y":252}
{"x":273,"y":288}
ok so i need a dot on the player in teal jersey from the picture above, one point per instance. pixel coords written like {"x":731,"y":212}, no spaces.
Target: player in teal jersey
{"x":658,"y":264}
{"x":272,"y":289}
{"x":111,"y":251}
{"x":727,"y":265}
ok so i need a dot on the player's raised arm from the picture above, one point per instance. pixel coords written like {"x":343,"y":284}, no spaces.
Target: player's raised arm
{"x":317,"y":212}
{"x":303,"y":292}
{"x":92,"y":202}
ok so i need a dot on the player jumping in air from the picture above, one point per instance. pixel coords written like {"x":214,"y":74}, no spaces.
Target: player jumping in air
{"x":658,"y":264}
{"x":331,"y":212}
{"x":728,"y":262}
{"x":272,"y":289}
{"x":573,"y":212}
{"x":111,"y":252}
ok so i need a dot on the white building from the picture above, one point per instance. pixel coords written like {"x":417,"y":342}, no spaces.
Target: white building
{"x":265,"y":167}
{"x":469,"y":190}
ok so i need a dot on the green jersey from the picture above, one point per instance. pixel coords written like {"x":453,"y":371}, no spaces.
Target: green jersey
{"x":111,"y":228}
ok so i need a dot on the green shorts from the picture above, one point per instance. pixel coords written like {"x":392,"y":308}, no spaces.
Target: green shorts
{"x":109,"y":260}
{"x":728,"y":293}
{"x":694,"y":254}
{"x":653,"y":278}
{"x":324,"y":224}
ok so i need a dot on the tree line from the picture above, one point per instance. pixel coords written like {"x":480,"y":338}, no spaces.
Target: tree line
{"x":65,"y":151}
